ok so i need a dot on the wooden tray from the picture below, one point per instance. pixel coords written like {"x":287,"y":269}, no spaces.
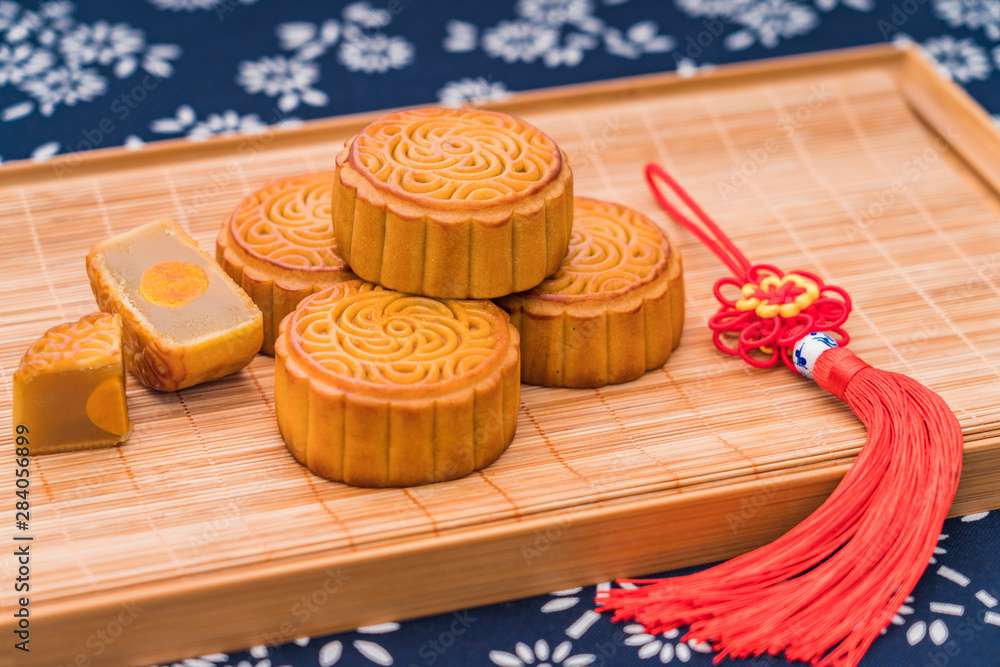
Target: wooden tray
{"x":204,"y":535}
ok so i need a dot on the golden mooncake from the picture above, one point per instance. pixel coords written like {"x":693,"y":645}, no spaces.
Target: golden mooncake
{"x":278,"y":245}
{"x":612,"y":311}
{"x":453,"y":203}
{"x":69,"y":390}
{"x":379,"y":388}
{"x":184,"y":321}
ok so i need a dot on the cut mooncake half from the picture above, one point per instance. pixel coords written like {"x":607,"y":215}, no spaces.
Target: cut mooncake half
{"x":379,"y":388}
{"x":453,"y":203}
{"x":278,"y":245}
{"x":69,"y":390}
{"x":612,"y":311}
{"x":184,"y":320}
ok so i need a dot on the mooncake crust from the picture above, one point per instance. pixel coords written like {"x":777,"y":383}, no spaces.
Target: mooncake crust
{"x":613,"y":310}
{"x":95,"y":411}
{"x":378,"y":388}
{"x":279,"y":246}
{"x":92,"y":341}
{"x":453,"y":203}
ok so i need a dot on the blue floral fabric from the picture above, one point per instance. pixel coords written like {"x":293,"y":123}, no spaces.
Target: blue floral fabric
{"x":77,"y":76}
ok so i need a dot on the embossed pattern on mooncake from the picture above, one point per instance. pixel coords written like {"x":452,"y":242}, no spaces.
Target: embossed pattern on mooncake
{"x":452,"y":203}
{"x":455,"y":158}
{"x":91,"y":340}
{"x":289,"y":223}
{"x":279,"y":246}
{"x":612,"y":311}
{"x":612,"y":249}
{"x":365,"y":333}
{"x":379,"y":388}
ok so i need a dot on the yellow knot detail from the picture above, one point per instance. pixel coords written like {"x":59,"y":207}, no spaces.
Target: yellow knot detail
{"x":774,"y":296}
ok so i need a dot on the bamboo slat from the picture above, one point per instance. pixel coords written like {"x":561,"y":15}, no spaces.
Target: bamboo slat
{"x":863,"y":166}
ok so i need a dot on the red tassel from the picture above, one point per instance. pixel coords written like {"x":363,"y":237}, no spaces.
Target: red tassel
{"x":824,"y":591}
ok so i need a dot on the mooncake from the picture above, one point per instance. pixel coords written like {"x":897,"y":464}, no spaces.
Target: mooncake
{"x":612,"y":311}
{"x":69,"y":390}
{"x":453,"y":203}
{"x":377,"y":388}
{"x":279,"y":246}
{"x":184,"y":321}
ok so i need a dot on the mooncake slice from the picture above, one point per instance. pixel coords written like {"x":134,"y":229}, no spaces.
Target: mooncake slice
{"x":453,"y":203}
{"x":184,"y":320}
{"x":612,"y":311}
{"x":279,"y":246}
{"x":69,"y":390}
{"x":379,"y":388}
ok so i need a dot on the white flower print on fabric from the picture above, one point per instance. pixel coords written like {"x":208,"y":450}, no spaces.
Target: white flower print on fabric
{"x":972,"y":14}
{"x":541,"y":655}
{"x":104,"y":44}
{"x":196,"y":5}
{"x":56,"y":61}
{"x":562,"y":600}
{"x":258,"y":653}
{"x":65,"y":85}
{"x":229,"y":122}
{"x":764,"y":22}
{"x":331,"y":652}
{"x":288,"y":80}
{"x":471,"y":91}
{"x":959,"y":59}
{"x":767,"y":22}
{"x":519,"y":41}
{"x":558,"y":33}
{"x":21,"y":61}
{"x":462,"y":37}
{"x":378,"y":53}
{"x":362,"y":48}
{"x":641,"y":38}
{"x":663,"y":646}
{"x":859,"y":5}
{"x":578,"y":13}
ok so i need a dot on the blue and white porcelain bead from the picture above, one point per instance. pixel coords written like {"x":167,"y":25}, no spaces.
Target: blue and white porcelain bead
{"x":808,"y":349}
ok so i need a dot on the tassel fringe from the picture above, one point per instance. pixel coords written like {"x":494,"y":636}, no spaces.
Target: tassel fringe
{"x":824,"y":591}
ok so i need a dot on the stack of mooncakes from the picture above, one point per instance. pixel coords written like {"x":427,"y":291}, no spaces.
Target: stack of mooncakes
{"x":393,"y":367}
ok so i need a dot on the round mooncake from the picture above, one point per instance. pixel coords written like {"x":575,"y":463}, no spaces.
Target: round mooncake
{"x":453,"y":203}
{"x":278,"y":245}
{"x":379,"y":388}
{"x":612,"y":311}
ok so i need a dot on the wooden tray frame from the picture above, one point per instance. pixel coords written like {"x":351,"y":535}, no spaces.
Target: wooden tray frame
{"x":538,"y":554}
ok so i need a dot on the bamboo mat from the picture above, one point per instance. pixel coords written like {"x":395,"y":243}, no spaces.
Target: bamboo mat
{"x":785,"y":164}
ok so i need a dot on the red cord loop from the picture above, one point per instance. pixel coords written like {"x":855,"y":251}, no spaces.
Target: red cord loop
{"x":772,"y":310}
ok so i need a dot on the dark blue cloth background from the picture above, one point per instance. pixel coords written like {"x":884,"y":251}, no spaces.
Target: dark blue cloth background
{"x":99,"y":74}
